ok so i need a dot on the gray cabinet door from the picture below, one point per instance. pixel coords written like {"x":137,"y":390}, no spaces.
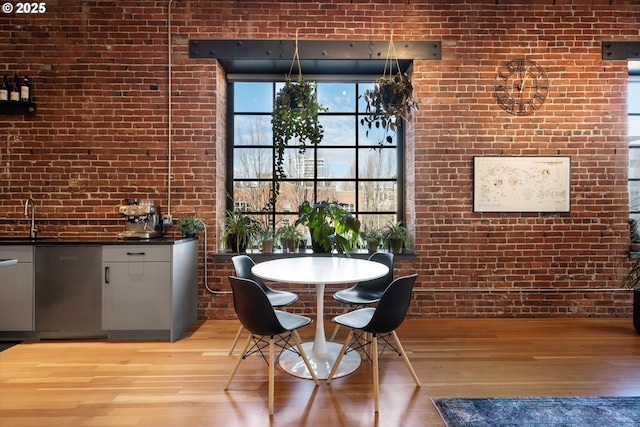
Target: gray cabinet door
{"x":16,"y":297}
{"x":17,"y":290}
{"x":136,"y":295}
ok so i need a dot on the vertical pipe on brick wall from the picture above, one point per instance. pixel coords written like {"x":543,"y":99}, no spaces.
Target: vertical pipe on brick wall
{"x":170,"y":138}
{"x":169,"y":107}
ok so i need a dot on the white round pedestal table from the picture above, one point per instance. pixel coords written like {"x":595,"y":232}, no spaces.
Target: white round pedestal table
{"x":320,"y":271}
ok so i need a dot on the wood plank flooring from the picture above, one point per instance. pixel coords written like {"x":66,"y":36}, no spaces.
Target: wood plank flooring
{"x":157,"y":384}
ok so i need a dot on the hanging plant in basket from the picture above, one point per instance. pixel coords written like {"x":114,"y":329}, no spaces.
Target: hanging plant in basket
{"x":294,"y":120}
{"x":391,"y":99}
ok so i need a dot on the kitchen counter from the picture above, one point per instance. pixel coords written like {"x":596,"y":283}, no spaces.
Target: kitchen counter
{"x":97,"y":288}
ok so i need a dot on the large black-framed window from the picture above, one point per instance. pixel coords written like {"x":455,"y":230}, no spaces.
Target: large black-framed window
{"x":349,"y":166}
{"x":633,"y":114}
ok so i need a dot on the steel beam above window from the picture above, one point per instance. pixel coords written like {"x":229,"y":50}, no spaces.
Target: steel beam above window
{"x":316,"y":56}
{"x":620,"y":50}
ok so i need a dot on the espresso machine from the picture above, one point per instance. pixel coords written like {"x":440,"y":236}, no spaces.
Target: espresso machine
{"x":144,"y":220}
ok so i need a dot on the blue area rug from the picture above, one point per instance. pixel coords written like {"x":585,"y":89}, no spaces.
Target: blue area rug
{"x":541,"y":411}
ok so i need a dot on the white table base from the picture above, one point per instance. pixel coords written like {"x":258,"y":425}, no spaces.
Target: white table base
{"x":321,"y":354}
{"x":320,"y":362}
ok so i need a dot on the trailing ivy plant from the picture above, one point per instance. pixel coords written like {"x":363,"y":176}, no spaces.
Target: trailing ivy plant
{"x":388,"y":103}
{"x":391,"y":100}
{"x":294,"y":121}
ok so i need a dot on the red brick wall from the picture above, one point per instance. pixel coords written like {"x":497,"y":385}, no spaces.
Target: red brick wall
{"x":99,"y":72}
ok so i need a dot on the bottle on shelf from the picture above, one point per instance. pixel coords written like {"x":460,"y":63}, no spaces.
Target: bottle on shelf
{"x":25,"y":90}
{"x":4,"y":90}
{"x":14,"y":94}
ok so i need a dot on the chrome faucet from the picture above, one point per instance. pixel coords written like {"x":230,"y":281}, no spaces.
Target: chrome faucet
{"x":32,"y":229}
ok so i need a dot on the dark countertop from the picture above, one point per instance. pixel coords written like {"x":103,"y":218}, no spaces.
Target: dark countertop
{"x":46,"y":241}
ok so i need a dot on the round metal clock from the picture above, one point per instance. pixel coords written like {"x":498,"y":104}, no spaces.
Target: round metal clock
{"x":521,"y":86}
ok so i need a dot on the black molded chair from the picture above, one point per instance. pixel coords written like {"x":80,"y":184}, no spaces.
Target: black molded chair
{"x":242,"y":265}
{"x":258,"y":316}
{"x":368,"y":325}
{"x":367,"y":292}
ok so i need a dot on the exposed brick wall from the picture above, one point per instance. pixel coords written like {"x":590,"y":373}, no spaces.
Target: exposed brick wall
{"x":99,"y":72}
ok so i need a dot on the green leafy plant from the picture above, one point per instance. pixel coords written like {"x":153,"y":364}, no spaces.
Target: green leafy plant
{"x":372,"y":233}
{"x":189,"y":226}
{"x":331,"y":227}
{"x":372,"y":237}
{"x":266,"y":237}
{"x":631,"y":279}
{"x":390,"y":101}
{"x":632,"y":276}
{"x":294,"y":118}
{"x":289,"y":236}
{"x":634,"y":236}
{"x":397,"y":236}
{"x":632,"y":261}
{"x":239,"y":228}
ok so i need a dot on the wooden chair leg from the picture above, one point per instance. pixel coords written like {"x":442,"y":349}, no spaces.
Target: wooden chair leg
{"x":406,"y":359}
{"x":271,"y":374}
{"x":235,"y":340}
{"x":339,"y":358}
{"x":374,"y":359}
{"x":335,"y":331}
{"x":235,"y":368}
{"x":298,"y":342}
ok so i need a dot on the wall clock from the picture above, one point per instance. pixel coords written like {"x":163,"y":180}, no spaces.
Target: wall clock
{"x":521,"y":86}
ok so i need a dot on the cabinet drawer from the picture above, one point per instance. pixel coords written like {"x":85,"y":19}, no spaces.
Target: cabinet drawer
{"x":21,"y":253}
{"x":136,"y":253}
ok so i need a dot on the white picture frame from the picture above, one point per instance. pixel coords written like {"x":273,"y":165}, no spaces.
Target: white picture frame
{"x":522,"y":184}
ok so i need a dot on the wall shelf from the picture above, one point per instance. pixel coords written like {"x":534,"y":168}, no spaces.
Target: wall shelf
{"x":17,"y":108}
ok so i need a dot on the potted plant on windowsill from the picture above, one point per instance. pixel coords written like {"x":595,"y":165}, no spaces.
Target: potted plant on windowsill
{"x":397,"y":236}
{"x":289,"y":236}
{"x":630,"y":282}
{"x":189,"y":226}
{"x":331,"y":227}
{"x":390,"y":101}
{"x":372,"y":237}
{"x":631,"y":278}
{"x":239,"y":228}
{"x":267,"y":239}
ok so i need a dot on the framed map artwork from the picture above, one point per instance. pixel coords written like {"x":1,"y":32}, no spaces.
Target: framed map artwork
{"x":521,"y":184}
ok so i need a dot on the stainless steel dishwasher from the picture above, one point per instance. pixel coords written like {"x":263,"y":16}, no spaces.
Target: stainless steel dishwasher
{"x":68,"y":297}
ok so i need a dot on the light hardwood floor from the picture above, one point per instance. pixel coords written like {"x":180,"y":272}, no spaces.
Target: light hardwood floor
{"x":157,"y":384}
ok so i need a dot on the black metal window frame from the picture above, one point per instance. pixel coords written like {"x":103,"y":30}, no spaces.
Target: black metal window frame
{"x":272,"y":216}
{"x":634,"y":143}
